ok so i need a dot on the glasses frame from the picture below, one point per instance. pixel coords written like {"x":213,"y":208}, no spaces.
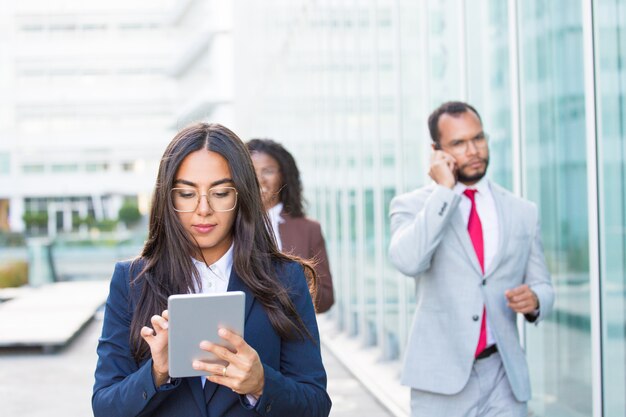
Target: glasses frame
{"x":206,"y":197}
{"x":482,"y":138}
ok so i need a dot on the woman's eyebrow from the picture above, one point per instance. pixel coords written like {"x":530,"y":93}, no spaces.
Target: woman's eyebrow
{"x":193,"y":184}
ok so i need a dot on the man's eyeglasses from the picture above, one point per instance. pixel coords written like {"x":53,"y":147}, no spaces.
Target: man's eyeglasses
{"x":186,"y":200}
{"x":460,"y":146}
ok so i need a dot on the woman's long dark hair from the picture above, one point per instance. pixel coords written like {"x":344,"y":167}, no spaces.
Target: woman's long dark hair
{"x":291,"y":192}
{"x":167,"y":267}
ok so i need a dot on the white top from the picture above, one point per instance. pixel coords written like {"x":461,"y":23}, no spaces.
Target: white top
{"x":486,"y":208}
{"x":276,"y":219}
{"x":215,"y":279}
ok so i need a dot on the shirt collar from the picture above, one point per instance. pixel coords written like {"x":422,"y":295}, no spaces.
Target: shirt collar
{"x":482,"y":186}
{"x":223,"y":266}
{"x":274,"y":213}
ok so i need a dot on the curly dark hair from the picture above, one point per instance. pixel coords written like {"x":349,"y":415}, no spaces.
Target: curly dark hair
{"x":291,"y":192}
{"x":453,"y":108}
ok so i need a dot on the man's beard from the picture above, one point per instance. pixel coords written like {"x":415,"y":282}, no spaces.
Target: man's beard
{"x":461,"y":177}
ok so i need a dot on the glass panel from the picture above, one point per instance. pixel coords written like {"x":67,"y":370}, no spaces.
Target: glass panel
{"x":444,"y":54}
{"x":391,"y":288}
{"x":552,"y":85}
{"x":414,"y":145}
{"x":414,"y":109}
{"x":350,"y":243}
{"x":369,"y":271}
{"x":5,"y":163}
{"x":610,"y":27}
{"x":488,"y":81}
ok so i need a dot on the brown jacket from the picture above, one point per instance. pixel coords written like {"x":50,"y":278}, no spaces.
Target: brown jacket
{"x":303,"y":237}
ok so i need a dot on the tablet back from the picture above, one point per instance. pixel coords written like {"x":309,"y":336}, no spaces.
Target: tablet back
{"x":197,"y":317}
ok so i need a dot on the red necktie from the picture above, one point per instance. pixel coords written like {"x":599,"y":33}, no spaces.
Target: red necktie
{"x":475,"y":230}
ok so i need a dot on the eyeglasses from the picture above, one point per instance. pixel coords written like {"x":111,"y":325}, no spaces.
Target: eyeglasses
{"x":267,"y":172}
{"x":460,"y":146}
{"x":186,"y":200}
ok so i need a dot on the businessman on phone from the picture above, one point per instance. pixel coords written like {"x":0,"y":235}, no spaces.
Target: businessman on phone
{"x":474,"y":250}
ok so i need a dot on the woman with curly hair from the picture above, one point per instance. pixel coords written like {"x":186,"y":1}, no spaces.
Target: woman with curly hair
{"x":281,"y":190}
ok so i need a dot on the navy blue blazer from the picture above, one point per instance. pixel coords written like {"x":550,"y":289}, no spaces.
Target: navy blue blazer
{"x":295,"y":379}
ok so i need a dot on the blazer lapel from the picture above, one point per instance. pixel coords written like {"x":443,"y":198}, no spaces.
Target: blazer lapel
{"x":197,"y":392}
{"x":503,"y":232}
{"x":288,"y":236}
{"x":236,"y":284}
{"x":464,"y":239}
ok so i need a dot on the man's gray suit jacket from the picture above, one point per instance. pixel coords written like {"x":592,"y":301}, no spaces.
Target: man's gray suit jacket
{"x":430,"y":242}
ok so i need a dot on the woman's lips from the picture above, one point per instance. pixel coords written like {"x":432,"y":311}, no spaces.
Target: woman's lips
{"x":203,"y":228}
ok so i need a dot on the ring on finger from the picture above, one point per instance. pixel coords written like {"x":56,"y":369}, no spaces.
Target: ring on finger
{"x":223,"y":371}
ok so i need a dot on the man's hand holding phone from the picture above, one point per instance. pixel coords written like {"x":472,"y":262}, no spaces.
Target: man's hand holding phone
{"x":443,"y":168}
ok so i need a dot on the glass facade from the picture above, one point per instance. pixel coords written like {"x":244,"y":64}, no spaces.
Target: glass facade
{"x":348,"y":86}
{"x":555,"y":177}
{"x":610,"y":52}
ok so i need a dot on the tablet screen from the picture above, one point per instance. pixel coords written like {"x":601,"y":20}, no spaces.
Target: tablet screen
{"x":198,"y":317}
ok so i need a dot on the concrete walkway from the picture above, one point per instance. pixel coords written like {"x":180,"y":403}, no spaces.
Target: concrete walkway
{"x":63,"y":380}
{"x":49,"y":316}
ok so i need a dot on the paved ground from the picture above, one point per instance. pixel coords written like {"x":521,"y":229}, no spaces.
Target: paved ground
{"x":34,"y":384}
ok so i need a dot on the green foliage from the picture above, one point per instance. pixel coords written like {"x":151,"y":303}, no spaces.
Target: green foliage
{"x":35,"y":218}
{"x":87,"y":220}
{"x":13,"y":274}
{"x":106,"y":225}
{"x":129,"y":213}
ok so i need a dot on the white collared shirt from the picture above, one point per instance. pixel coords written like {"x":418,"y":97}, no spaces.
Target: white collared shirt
{"x":275,"y":220}
{"x":215,"y":277}
{"x":486,"y":208}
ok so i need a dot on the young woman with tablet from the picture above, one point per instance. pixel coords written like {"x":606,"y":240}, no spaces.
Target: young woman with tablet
{"x":208,"y":233}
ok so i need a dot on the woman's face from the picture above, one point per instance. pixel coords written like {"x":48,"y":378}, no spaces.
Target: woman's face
{"x":213,"y":230}
{"x":271,"y":179}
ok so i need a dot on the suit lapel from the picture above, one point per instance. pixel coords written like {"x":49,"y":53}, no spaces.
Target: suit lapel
{"x":236,"y":284}
{"x":198,"y":394}
{"x":287,"y":237}
{"x":464,"y":239}
{"x":499,"y":199}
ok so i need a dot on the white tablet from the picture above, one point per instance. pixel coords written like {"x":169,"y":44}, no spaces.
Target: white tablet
{"x":198,"y":317}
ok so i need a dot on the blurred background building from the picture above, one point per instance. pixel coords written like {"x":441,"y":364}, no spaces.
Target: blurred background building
{"x":91,"y":93}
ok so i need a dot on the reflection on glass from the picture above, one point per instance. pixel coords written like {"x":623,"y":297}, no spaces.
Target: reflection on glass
{"x":552,"y":84}
{"x":610,"y":32}
{"x":391,"y":289}
{"x":488,"y":81}
{"x":369,"y":270}
{"x":444,"y":51}
{"x":351,"y":244}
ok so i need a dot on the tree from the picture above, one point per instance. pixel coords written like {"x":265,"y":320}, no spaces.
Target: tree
{"x":129,"y":213}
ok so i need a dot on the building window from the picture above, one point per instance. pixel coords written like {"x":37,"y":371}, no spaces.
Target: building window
{"x":33,"y":168}
{"x":5,"y":163}
{"x":59,"y":168}
{"x":128,"y":166}
{"x":96,"y":167}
